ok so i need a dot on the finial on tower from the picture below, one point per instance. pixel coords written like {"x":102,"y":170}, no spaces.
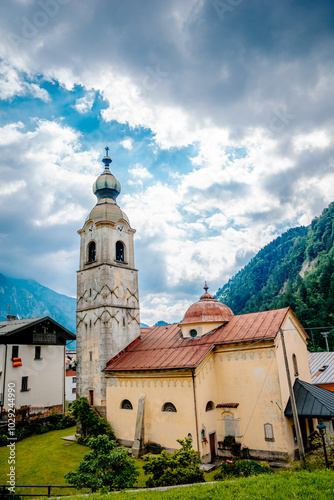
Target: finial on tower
{"x":206,"y":288}
{"x":106,"y":160}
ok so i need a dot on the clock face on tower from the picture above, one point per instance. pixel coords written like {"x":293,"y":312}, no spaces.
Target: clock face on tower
{"x":120,"y":228}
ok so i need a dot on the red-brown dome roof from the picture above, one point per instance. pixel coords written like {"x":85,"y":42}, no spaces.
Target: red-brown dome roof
{"x":207,"y":310}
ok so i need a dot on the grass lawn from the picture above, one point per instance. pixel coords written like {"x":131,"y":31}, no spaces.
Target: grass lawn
{"x":43,"y":459}
{"x":302,"y":485}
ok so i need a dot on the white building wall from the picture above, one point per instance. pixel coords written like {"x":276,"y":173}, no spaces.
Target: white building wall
{"x":70,"y":395}
{"x":46,"y":385}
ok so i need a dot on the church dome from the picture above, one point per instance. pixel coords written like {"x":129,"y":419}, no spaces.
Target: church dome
{"x":106,"y":188}
{"x":106,"y":185}
{"x":207,"y":310}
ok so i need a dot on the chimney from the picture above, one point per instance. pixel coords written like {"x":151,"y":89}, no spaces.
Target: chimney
{"x":11,"y":317}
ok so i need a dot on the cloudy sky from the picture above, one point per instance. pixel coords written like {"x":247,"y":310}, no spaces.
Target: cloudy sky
{"x":218,"y":115}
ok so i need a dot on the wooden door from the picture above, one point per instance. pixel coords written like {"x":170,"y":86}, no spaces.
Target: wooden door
{"x":91,"y":397}
{"x":212,"y":440}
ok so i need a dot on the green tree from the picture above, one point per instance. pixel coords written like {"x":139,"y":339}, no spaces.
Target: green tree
{"x":107,"y":466}
{"x":180,"y":467}
{"x":91,"y":423}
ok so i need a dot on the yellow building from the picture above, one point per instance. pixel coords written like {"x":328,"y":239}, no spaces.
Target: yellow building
{"x":217,"y":377}
{"x":214,"y":375}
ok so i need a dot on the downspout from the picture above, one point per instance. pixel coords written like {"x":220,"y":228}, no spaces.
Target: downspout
{"x":4,"y":382}
{"x":64,"y":372}
{"x":195,"y":407}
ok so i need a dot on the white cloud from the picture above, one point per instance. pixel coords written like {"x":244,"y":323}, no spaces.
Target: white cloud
{"x":127,"y":143}
{"x":85,"y":103}
{"x":12,"y":83}
{"x":140,"y":172}
{"x":319,"y":139}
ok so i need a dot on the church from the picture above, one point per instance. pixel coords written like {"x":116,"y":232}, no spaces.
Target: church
{"x":217,"y":378}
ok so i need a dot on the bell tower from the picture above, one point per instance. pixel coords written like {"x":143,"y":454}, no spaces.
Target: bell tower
{"x":107,"y":289}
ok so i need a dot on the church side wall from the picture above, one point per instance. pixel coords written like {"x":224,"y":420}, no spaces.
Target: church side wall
{"x":249,"y":378}
{"x":295,"y":342}
{"x":206,"y":392}
{"x":160,"y":427}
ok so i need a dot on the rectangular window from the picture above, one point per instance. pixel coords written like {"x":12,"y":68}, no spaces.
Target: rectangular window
{"x":74,"y":379}
{"x":90,"y":355}
{"x":24,"y":386}
{"x":15,"y":351}
{"x":37,"y":352}
{"x":74,"y":390}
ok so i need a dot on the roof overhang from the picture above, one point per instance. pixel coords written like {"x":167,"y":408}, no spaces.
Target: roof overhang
{"x":311,"y":401}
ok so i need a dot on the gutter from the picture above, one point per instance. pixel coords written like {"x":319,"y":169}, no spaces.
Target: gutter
{"x":195,"y":407}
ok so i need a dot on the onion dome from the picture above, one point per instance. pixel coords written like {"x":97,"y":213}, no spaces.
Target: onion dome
{"x":106,"y":185}
{"x":207,"y":310}
{"x":106,"y":188}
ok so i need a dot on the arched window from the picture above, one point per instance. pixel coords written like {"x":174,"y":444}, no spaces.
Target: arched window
{"x":126,"y":405}
{"x":210,"y":406}
{"x":91,"y":251}
{"x":120,"y":251}
{"x":169,"y":407}
{"x":295,"y":365}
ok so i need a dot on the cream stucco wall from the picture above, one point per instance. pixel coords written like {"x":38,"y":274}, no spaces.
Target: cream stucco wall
{"x":161,"y":427}
{"x":45,"y":376}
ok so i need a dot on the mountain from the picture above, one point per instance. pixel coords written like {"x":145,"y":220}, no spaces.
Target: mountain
{"x":297,"y":270}
{"x":29,"y":299}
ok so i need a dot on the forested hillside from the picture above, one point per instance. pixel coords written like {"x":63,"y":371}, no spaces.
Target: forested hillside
{"x":297,"y":270}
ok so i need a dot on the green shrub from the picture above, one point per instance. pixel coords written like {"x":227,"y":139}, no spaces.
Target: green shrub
{"x":238,"y":467}
{"x":106,"y":467}
{"x":91,"y":424}
{"x":3,"y":440}
{"x":229,"y":440}
{"x":180,"y":467}
{"x":315,"y":458}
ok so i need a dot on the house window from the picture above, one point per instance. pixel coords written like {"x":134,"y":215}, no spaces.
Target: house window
{"x":268,"y":432}
{"x":90,"y":355}
{"x":37,"y":352}
{"x":169,"y":407}
{"x":210,"y":406}
{"x":193,"y":333}
{"x":74,"y":379}
{"x":74,"y":390}
{"x":126,"y":405}
{"x":24,"y":384}
{"x":295,"y":365}
{"x":15,"y":351}
{"x":119,"y":251}
{"x":91,"y":251}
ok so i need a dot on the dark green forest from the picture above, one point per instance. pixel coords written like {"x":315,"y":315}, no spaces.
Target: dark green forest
{"x":297,"y":270}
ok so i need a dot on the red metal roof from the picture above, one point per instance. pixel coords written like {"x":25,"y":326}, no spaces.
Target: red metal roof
{"x":164,"y":348}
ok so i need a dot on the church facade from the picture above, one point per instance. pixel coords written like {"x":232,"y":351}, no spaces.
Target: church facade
{"x":217,"y":377}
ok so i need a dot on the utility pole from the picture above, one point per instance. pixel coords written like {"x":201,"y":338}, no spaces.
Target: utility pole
{"x":293,"y":402}
{"x":325,"y":334}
